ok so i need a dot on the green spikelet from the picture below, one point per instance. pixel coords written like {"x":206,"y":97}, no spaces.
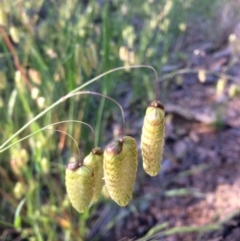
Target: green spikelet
{"x":95,"y":161}
{"x":91,"y":53}
{"x":152,"y":139}
{"x":120,"y":168}
{"x":79,"y":184}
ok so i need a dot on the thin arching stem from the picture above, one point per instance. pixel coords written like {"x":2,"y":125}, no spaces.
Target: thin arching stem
{"x":66,"y":97}
{"x":48,"y":127}
{"x":63,"y":132}
{"x":114,"y":70}
{"x":156,"y":83}
{"x":102,"y":95}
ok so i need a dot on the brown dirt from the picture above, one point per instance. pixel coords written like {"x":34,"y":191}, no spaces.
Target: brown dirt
{"x":202,"y":153}
{"x":201,"y":158}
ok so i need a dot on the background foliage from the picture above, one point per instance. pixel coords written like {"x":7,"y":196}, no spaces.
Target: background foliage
{"x":48,"y":48}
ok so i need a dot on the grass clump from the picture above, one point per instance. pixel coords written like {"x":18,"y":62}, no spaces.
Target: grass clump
{"x":47,"y":50}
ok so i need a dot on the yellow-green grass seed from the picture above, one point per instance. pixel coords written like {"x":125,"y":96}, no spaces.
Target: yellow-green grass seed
{"x":91,"y":53}
{"x":95,"y":161}
{"x":120,"y":168}
{"x":152,"y":138}
{"x":79,"y":182}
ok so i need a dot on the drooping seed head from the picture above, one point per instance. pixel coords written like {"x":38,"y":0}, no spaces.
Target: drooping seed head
{"x":79,"y":184}
{"x":95,"y":161}
{"x":120,"y":167}
{"x":152,"y":138}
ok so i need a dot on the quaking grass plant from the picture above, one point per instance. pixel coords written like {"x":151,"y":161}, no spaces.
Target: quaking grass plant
{"x":120,"y":158}
{"x":51,"y":48}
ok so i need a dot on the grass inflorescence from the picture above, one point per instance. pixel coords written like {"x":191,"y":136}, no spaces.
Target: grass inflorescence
{"x":48,"y":52}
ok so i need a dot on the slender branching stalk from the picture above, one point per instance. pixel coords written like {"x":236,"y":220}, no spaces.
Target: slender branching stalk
{"x":70,"y":94}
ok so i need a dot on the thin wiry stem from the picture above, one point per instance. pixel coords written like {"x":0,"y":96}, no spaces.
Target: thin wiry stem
{"x":66,"y":97}
{"x":48,"y":127}
{"x":105,"y":96}
{"x":63,"y":132}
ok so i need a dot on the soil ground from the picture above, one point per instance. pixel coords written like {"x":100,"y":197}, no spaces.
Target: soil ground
{"x":199,"y":183}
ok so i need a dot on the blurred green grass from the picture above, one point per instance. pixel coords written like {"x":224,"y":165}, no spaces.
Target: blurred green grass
{"x":50,"y":48}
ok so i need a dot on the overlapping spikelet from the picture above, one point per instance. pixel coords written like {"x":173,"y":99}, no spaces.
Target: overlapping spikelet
{"x":95,"y":161}
{"x":120,"y":167}
{"x":79,"y":184}
{"x":152,"y":139}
